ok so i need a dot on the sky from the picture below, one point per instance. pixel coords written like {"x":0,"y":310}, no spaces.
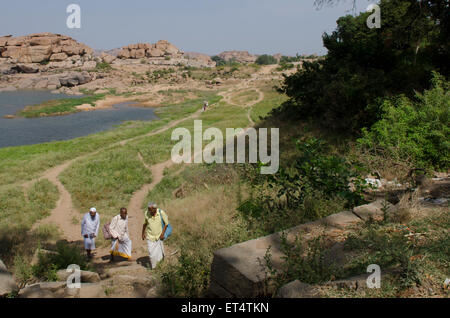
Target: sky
{"x":206,"y":26}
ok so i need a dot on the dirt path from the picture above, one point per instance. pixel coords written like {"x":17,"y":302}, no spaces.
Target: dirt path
{"x":64,"y":212}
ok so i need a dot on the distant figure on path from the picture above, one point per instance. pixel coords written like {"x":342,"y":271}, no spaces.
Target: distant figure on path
{"x":120,"y":242}
{"x":89,"y":230}
{"x":205,"y":105}
{"x":154,"y":233}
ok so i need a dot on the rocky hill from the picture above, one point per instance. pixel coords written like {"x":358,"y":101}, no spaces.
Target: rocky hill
{"x":57,"y":49}
{"x":238,"y":56}
{"x":161,"y":48}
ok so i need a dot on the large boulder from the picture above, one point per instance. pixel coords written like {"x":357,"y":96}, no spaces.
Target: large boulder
{"x":7,"y":283}
{"x":43,"y":47}
{"x":27,"y":68}
{"x":85,"y":276}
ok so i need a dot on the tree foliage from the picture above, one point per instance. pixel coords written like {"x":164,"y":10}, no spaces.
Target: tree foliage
{"x":343,"y":90}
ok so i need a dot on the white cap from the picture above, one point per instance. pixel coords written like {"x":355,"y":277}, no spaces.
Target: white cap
{"x":93,"y":210}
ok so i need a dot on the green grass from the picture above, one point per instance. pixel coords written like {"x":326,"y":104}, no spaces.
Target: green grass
{"x":272,"y":100}
{"x":245,"y":97}
{"x":58,"y":106}
{"x":22,"y":163}
{"x":24,"y":208}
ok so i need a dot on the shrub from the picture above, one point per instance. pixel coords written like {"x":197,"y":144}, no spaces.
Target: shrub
{"x":49,"y":264}
{"x":266,"y":59}
{"x":416,"y":129}
{"x":313,"y":186}
{"x":103,"y":66}
{"x":188,"y":278}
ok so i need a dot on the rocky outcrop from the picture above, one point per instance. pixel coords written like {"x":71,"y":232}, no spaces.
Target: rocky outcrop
{"x":199,"y":59}
{"x":85,"y":276}
{"x":67,"y":79}
{"x":43,"y":47}
{"x":238,"y":56}
{"x":146,"y":50}
{"x":238,"y":270}
{"x":7,"y":283}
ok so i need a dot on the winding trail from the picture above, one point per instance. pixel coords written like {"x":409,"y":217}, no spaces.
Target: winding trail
{"x":65,"y":214}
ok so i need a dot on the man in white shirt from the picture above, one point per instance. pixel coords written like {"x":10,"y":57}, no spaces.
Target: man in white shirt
{"x":89,"y":230}
{"x":120,"y":242}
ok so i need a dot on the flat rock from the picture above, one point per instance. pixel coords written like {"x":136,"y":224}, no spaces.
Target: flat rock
{"x":35,"y":291}
{"x":373,"y":210}
{"x":341,"y":220}
{"x":86,"y":276}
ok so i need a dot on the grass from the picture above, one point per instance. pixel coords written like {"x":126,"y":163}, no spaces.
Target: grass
{"x":59,"y":106}
{"x":204,"y":214}
{"x":22,"y":163}
{"x":272,"y":100}
{"x":245,"y":97}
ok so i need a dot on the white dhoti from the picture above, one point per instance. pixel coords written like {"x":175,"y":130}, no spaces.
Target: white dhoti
{"x":121,"y":248}
{"x":89,"y":243}
{"x":156,"y":252}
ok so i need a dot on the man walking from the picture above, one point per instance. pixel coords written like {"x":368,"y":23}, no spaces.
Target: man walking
{"x":120,"y":242}
{"x":154,"y":231}
{"x":89,"y":230}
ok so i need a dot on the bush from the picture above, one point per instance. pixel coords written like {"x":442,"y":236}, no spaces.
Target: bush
{"x":265,"y":59}
{"x":414,"y":129}
{"x":103,"y":66}
{"x":342,"y":91}
{"x":313,"y":186}
{"x":49,"y":264}
{"x":188,"y":278}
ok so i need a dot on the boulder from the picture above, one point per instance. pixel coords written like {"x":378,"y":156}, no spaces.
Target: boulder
{"x":297,"y":289}
{"x":41,"y":84}
{"x":35,"y":291}
{"x":86,"y":276}
{"x":37,"y":54}
{"x":7,"y":283}
{"x":27,"y":68}
{"x":8,"y":69}
{"x":108,"y":58}
{"x":92,"y":291}
{"x":26,"y":83}
{"x":72,"y":50}
{"x":89,"y":65}
{"x":58,"y":57}
{"x":373,"y":210}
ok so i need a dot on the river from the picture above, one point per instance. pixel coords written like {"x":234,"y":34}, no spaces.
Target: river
{"x":27,"y":131}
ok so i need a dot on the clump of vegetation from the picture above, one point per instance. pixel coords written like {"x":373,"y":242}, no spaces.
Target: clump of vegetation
{"x":285,"y":66}
{"x":414,"y":129}
{"x":315,"y":185}
{"x":266,"y":59}
{"x":343,"y":90}
{"x":59,"y":106}
{"x":65,"y":255}
{"x":103,"y":66}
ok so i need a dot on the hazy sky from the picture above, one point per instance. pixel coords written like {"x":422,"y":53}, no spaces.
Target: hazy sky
{"x":207,"y":26}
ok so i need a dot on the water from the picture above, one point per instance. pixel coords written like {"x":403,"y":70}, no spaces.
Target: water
{"x":27,"y":131}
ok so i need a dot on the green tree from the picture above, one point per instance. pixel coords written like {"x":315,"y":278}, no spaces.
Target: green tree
{"x":265,"y":59}
{"x":342,"y":91}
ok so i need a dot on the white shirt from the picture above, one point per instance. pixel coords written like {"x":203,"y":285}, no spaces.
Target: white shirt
{"x":119,"y":227}
{"x":90,"y":225}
